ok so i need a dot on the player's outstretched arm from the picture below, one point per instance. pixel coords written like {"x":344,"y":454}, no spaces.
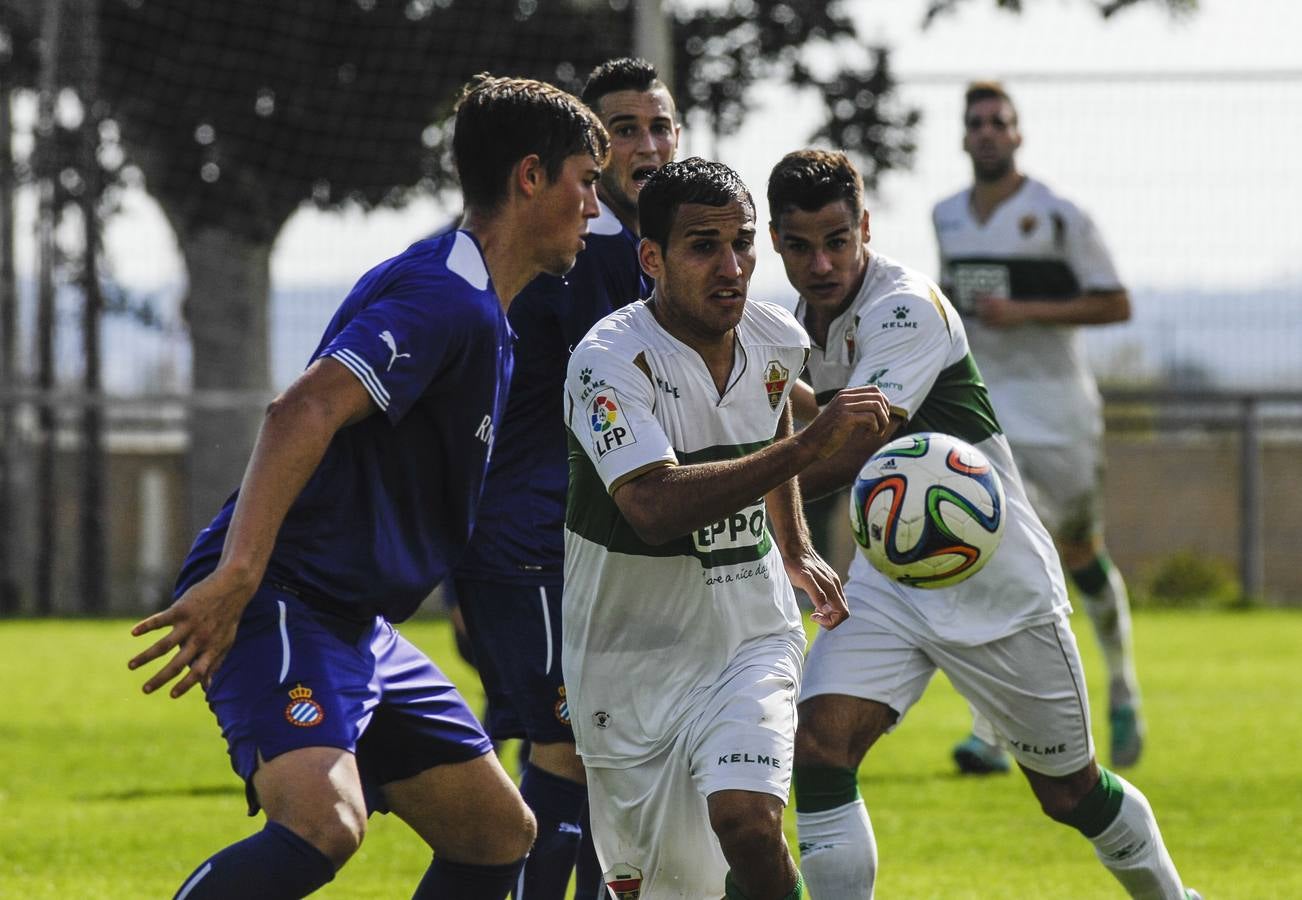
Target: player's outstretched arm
{"x":806,"y":569}
{"x":295,"y":433}
{"x":1092,"y":308}
{"x":668,"y":502}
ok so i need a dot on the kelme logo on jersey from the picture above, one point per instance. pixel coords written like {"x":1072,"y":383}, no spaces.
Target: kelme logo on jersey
{"x":610,"y":428}
{"x":744,"y":528}
{"x":303,"y":711}
{"x":901,"y":319}
{"x":776,"y":376}
{"x":624,"y":881}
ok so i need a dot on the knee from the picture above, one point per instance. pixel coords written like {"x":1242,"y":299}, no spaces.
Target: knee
{"x":511,"y":834}
{"x":337,"y":831}
{"x":1060,"y":798}
{"x":749,"y":829}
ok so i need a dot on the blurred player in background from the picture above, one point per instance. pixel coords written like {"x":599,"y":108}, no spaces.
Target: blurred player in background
{"x":683,"y":641}
{"x":509,"y":581}
{"x":360,"y":492}
{"x":1025,"y":268}
{"x":1002,"y":636}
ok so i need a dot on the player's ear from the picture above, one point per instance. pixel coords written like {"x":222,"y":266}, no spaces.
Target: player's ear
{"x":864,"y":230}
{"x":529,"y":175}
{"x":650,"y":257}
{"x":773,"y":236}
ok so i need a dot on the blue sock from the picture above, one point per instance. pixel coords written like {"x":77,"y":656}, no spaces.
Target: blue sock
{"x":558,"y":805}
{"x":588,"y":883}
{"x":273,"y":864}
{"x":447,"y":880}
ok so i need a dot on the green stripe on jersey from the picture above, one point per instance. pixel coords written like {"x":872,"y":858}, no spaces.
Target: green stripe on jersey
{"x":591,"y":513}
{"x":958,"y":404}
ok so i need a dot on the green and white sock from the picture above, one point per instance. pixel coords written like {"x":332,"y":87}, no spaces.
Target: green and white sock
{"x":1118,"y":821}
{"x":838,"y":851}
{"x":1108,"y":606}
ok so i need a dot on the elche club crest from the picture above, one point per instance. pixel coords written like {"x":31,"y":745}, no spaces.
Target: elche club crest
{"x":303,"y":711}
{"x":624,"y":881}
{"x":776,"y":376}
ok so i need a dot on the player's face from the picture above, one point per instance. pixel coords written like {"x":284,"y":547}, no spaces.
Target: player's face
{"x":703,"y":273}
{"x":643,"y":137}
{"x":564,"y":207}
{"x":991,"y":138}
{"x":825,"y":252}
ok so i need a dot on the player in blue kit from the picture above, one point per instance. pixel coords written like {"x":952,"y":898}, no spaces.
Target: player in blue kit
{"x":508,"y":583}
{"x":359,"y":496}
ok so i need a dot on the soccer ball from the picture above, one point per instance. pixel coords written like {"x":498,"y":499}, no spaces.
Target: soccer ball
{"x":927,"y":510}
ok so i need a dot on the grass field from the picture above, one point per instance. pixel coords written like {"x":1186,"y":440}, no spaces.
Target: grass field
{"x":105,"y":793}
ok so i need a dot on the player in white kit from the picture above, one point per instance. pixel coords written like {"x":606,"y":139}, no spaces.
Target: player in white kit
{"x":1002,"y":637}
{"x":682,"y":641}
{"x":1026,"y":269}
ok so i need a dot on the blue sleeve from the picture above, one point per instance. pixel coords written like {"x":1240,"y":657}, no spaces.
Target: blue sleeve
{"x":404,"y":339}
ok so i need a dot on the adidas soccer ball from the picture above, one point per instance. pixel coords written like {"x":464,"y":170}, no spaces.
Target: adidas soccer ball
{"x":928,"y":510}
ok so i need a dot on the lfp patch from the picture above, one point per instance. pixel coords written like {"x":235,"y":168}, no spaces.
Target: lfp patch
{"x":610,"y":427}
{"x":624,"y":881}
{"x":303,"y":711}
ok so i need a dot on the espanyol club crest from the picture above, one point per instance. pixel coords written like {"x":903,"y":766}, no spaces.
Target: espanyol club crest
{"x":303,"y":711}
{"x":775,"y":381}
{"x":624,"y":881}
{"x":562,"y":708}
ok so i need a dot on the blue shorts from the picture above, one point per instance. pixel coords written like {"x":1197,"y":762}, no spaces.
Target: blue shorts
{"x":515,"y":631}
{"x":300,"y":676}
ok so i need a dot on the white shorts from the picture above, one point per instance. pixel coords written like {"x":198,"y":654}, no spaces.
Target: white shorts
{"x":1065,"y":485}
{"x":651,"y":821}
{"x":1030,"y":685}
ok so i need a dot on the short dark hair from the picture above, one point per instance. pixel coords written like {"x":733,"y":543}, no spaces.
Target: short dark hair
{"x":987,"y":90}
{"x":810,"y":179}
{"x":627,"y":73}
{"x":500,"y":121}
{"x":693,"y":180}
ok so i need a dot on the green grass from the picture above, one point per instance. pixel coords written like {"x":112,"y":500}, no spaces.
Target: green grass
{"x":107,"y":793}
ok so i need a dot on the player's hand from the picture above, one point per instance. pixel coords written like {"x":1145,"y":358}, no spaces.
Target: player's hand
{"x":1000,"y":312}
{"x":819,"y":581}
{"x":861,"y":410}
{"x":202,"y":622}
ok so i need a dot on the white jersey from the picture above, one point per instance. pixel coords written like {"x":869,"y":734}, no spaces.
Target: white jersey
{"x":901,"y":334}
{"x":648,"y":629}
{"x":1036,"y":245}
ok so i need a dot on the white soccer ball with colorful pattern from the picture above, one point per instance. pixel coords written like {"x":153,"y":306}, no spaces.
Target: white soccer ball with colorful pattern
{"x":928,"y":510}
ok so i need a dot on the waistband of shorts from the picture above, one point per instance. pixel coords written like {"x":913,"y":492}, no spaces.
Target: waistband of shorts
{"x":318,"y":602}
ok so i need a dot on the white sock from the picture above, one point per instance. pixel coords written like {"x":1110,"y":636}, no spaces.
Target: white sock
{"x":1132,"y":849}
{"x":1109,"y":611}
{"x":838,"y":852}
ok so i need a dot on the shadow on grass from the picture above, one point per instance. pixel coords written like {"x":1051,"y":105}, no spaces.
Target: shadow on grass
{"x":149,"y":793}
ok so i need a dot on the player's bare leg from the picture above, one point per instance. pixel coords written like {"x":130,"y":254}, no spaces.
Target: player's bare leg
{"x":1086,"y":560}
{"x":473,"y":819}
{"x":316,"y":793}
{"x":1116,"y":818}
{"x":749,"y":827}
{"x":316,"y":818}
{"x":838,"y":851}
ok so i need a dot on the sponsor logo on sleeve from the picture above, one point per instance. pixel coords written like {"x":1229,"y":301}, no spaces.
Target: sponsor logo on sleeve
{"x":610,"y":426}
{"x":776,"y":377}
{"x":392,"y":344}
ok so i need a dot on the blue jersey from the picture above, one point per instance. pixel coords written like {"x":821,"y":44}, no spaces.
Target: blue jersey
{"x":520,"y":536}
{"x":391,"y":506}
